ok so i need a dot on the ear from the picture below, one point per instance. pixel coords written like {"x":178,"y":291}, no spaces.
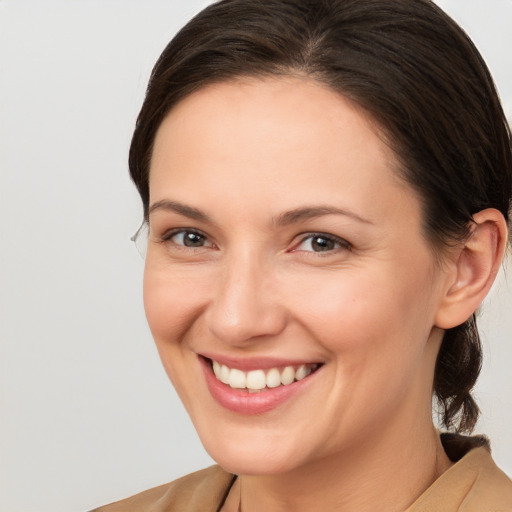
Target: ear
{"x":474,"y":269}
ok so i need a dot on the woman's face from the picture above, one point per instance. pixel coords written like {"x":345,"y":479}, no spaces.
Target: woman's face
{"x":284,"y":247}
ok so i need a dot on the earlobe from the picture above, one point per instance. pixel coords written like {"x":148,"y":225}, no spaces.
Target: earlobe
{"x":476,"y":265}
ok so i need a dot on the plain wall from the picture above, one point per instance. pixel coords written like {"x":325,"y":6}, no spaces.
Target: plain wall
{"x":87,"y":413}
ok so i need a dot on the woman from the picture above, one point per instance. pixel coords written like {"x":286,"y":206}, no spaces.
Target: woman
{"x":327,"y":186}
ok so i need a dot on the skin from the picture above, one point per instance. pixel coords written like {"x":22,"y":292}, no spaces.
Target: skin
{"x":359,"y":436}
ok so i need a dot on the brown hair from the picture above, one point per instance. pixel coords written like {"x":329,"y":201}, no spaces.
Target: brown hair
{"x":412,"y":68}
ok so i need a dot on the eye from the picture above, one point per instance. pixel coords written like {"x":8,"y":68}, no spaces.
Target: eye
{"x":321,"y":242}
{"x":188,"y":238}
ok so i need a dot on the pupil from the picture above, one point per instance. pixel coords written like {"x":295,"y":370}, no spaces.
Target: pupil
{"x":322,"y":244}
{"x":193,"y":240}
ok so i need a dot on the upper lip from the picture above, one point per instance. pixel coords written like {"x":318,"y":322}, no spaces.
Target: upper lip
{"x":256,"y":363}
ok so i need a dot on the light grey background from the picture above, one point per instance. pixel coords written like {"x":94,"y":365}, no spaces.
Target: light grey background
{"x":87,"y":414}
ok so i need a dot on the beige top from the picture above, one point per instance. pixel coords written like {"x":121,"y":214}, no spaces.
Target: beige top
{"x":473,"y":484}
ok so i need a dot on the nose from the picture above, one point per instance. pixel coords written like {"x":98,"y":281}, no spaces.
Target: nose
{"x":245,"y":305}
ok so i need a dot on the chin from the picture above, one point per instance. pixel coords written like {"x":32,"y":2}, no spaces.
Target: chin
{"x":245,"y":456}
{"x":254,"y":464}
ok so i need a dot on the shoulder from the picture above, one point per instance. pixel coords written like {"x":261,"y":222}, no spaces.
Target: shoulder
{"x":492,"y":488}
{"x":201,"y":491}
{"x":473,"y":484}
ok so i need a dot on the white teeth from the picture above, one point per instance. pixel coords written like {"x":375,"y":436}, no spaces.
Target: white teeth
{"x":288,"y":376}
{"x":237,"y":379}
{"x":216,"y":369}
{"x":273,"y":378}
{"x":302,"y":372}
{"x":257,"y":380}
{"x":224,"y":374}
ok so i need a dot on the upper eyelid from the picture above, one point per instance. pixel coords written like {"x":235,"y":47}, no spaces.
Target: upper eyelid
{"x":320,"y":234}
{"x":166,"y":239}
{"x":344,"y":246}
{"x":171,"y":232}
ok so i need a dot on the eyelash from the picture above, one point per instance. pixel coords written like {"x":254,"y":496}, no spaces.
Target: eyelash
{"x":167,"y":237}
{"x":342,"y":244}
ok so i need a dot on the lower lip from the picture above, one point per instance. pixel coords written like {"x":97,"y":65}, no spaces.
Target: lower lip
{"x":243,"y":402}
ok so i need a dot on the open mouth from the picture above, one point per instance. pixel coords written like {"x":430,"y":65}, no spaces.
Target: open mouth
{"x":258,"y":380}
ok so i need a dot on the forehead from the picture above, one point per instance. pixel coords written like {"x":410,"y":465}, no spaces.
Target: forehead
{"x":275,"y":141}
{"x":293,"y":107}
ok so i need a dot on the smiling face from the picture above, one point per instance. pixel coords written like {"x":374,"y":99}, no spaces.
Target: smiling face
{"x":287,"y":256}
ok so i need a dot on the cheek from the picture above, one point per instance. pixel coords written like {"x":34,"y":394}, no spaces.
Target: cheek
{"x":374,"y":328}
{"x":359,"y":312}
{"x":171,"y":302}
{"x":337,"y":304}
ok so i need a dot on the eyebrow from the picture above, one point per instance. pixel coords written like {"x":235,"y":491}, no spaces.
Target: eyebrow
{"x":312,"y":212}
{"x":181,"y":209}
{"x":284,"y":219}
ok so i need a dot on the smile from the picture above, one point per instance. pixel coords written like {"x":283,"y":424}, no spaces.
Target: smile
{"x":258,"y":380}
{"x":257,"y":385}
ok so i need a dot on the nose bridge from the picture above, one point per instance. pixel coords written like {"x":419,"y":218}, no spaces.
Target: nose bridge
{"x":243,"y":306}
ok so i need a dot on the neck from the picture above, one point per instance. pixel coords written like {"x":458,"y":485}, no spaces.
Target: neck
{"x":387,"y":474}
